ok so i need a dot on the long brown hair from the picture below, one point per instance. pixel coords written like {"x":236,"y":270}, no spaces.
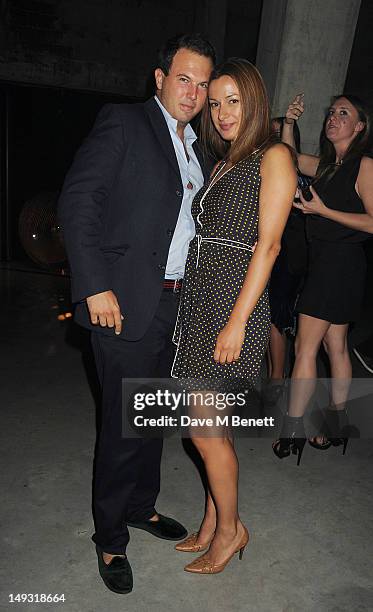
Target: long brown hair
{"x":255,"y":127}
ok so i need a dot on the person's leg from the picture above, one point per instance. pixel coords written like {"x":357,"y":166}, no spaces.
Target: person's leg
{"x":276,"y":354}
{"x":148,"y":479}
{"x":126,"y":470}
{"x":118,"y":459}
{"x":208,"y":525}
{"x":311,"y":332}
{"x":335,"y":344}
{"x":221,"y":466}
{"x":337,"y":429}
{"x":277,"y":350}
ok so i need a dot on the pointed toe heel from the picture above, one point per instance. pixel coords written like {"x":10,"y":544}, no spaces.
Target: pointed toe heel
{"x":187,"y":545}
{"x":190,"y":544}
{"x":203,"y":565}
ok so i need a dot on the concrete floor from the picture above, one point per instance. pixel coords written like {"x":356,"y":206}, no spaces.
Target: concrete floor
{"x":311,"y":526}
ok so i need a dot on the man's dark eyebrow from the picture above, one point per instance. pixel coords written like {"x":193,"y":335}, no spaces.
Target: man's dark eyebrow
{"x":188,"y":77}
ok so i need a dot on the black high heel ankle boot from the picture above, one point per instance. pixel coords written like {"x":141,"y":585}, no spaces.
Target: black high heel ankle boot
{"x":340,"y":428}
{"x":335,"y":430}
{"x":292,"y":438}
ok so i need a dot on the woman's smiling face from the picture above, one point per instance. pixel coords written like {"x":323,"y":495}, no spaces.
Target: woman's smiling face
{"x":225,"y":107}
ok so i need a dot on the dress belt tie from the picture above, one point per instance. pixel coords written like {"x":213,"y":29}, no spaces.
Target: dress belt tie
{"x":222,"y":241}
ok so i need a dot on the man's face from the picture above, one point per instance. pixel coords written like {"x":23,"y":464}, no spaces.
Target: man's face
{"x":183,"y":91}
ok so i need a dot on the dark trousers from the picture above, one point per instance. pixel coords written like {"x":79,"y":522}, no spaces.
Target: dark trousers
{"x":127,"y":471}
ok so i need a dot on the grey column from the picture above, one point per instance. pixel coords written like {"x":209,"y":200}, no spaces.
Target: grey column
{"x":305,"y":46}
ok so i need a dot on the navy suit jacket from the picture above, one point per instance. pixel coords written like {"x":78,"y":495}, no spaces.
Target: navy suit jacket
{"x":118,"y":209}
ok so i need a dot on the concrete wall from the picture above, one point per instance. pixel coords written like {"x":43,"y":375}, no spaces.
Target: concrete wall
{"x":311,"y":44}
{"x":110,"y":45}
{"x":103,"y":45}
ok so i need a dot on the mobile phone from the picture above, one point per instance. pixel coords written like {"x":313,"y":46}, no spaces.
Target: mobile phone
{"x":306,"y":193}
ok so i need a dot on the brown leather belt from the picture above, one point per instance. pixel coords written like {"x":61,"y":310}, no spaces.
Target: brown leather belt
{"x":172,"y":285}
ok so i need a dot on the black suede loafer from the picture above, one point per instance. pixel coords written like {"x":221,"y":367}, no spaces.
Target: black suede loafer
{"x":165,"y":528}
{"x":117,"y":575}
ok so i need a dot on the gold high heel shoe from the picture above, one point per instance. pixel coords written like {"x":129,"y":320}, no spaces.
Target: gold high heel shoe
{"x":202,"y":565}
{"x":190,"y":544}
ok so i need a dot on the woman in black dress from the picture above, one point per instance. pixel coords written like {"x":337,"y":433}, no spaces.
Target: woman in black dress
{"x":223,"y":323}
{"x":339,"y":211}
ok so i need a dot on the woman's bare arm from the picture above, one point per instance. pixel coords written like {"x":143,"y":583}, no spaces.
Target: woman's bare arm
{"x":278,"y":185}
{"x":357,"y":221}
{"x":279,"y":182}
{"x":307,"y":163}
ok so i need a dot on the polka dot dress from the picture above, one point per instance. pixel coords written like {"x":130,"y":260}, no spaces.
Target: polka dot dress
{"x":226,"y":219}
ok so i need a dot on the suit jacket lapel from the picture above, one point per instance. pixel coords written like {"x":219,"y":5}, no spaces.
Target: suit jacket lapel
{"x":160,"y":128}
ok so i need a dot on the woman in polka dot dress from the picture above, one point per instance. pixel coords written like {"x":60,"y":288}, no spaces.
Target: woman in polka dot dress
{"x":224,"y":320}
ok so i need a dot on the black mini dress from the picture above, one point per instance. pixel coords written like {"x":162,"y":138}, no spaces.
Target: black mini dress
{"x":335,"y":281}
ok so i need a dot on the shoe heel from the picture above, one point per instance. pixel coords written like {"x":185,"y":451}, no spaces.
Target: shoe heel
{"x":300,"y":451}
{"x":292,"y":438}
{"x":240,"y":554}
{"x":345,"y":442}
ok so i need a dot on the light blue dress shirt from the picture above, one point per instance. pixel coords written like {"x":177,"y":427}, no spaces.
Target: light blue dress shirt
{"x":191,"y":174}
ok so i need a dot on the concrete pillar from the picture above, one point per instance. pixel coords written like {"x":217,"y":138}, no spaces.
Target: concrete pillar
{"x":305,"y":46}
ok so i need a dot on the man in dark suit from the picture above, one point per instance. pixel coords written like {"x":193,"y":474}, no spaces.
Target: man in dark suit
{"x":125,"y":212}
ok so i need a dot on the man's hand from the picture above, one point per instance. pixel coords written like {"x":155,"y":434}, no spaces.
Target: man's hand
{"x":105,"y":310}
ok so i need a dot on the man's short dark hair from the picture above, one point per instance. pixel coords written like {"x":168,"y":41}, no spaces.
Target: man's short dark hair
{"x":193,"y":42}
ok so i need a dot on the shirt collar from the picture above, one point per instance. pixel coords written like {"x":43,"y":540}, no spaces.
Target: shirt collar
{"x":189,"y":134}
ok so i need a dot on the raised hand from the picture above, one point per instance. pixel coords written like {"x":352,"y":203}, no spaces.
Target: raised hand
{"x":295,"y":109}
{"x":105,"y":310}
